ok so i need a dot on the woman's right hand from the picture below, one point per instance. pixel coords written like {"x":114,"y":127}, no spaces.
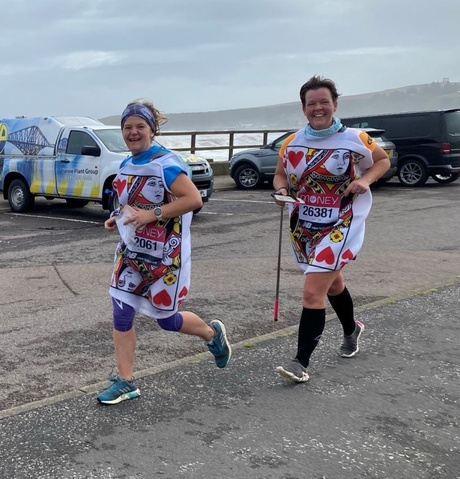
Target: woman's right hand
{"x":283,"y":191}
{"x":110,"y":224}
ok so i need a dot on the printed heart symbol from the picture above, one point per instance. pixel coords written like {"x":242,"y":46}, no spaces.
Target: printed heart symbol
{"x":183,"y":292}
{"x":348,"y":255}
{"x":326,"y":255}
{"x":119,"y":185}
{"x":162,"y":298}
{"x":295,"y":157}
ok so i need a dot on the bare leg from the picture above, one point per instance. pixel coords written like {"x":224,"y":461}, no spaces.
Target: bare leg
{"x":219,"y":347}
{"x":125,"y":345}
{"x":316,"y":287}
{"x":337,"y":286}
{"x":195,"y":326}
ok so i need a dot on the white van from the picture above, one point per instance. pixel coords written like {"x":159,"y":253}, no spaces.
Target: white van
{"x":74,"y":158}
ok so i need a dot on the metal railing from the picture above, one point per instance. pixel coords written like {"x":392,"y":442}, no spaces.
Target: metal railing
{"x":230,"y":145}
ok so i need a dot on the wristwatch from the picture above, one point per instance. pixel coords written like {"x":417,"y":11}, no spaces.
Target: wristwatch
{"x":157,"y":213}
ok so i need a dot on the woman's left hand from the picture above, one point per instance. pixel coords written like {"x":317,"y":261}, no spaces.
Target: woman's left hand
{"x":140,"y":218}
{"x":357,"y":187}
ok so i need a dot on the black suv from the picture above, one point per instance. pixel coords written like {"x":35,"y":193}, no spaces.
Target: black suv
{"x":427,"y":142}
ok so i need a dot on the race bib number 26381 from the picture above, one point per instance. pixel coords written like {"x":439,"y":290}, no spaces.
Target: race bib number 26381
{"x":320,"y":208}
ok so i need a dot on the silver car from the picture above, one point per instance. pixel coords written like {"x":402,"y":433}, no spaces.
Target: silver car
{"x":251,"y":168}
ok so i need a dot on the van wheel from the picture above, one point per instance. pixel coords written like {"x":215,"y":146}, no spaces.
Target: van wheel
{"x":446,"y":178}
{"x":412,"y":173}
{"x":113,"y":202}
{"x":75,"y":203}
{"x":247,"y":177}
{"x":19,"y":196}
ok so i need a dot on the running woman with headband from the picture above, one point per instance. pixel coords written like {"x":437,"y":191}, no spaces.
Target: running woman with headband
{"x":153,"y":256}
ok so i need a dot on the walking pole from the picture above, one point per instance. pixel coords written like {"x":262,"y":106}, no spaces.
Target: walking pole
{"x":277,"y":304}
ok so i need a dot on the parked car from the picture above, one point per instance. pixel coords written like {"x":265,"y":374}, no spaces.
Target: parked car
{"x":428,"y":143}
{"x":390,"y":149}
{"x":202,"y":174}
{"x":251,"y":168}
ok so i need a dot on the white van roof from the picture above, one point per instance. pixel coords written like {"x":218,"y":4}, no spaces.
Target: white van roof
{"x":33,"y":135}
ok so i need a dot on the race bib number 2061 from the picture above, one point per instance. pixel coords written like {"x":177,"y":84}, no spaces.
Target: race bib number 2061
{"x":149,"y":242}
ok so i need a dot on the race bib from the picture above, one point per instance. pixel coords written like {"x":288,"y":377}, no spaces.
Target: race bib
{"x":149,"y":242}
{"x":146,"y":244}
{"x":320,"y":208}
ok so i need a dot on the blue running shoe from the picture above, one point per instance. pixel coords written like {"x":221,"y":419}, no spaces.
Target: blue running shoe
{"x":120,"y":390}
{"x":219,"y":345}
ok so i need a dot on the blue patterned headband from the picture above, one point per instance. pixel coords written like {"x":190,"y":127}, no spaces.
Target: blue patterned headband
{"x":141,"y":111}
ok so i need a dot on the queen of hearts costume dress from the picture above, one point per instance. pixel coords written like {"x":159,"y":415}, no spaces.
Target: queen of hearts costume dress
{"x":327,"y":230}
{"x":152,"y":271}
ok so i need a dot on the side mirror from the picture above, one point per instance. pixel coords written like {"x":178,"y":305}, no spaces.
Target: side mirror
{"x":90,"y":151}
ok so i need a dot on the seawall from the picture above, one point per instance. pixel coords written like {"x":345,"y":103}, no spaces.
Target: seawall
{"x":219,"y":167}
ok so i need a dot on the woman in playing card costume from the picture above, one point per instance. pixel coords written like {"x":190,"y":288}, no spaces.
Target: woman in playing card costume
{"x":329,"y":168}
{"x":152,"y":259}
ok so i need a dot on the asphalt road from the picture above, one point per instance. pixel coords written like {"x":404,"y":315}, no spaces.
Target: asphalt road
{"x":390,"y":412}
{"x":55,"y":266}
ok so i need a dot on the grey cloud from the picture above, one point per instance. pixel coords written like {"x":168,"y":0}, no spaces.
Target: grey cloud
{"x":93,"y":56}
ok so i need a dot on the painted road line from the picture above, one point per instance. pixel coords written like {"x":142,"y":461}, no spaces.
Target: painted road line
{"x":58,"y":218}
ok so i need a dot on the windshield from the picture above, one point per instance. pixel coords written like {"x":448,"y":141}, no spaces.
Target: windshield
{"x":453,"y":123}
{"x":112,"y":139}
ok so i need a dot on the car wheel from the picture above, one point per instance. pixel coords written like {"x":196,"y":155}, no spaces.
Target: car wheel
{"x":412,"y":173}
{"x":75,"y":203}
{"x":113,"y":202}
{"x":446,"y":178}
{"x":247,"y":177}
{"x":19,"y":196}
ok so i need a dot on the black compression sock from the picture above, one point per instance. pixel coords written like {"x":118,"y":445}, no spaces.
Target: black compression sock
{"x":311,"y":328}
{"x":343,"y":307}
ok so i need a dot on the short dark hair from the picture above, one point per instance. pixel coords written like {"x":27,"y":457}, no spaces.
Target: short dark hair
{"x":317,"y":82}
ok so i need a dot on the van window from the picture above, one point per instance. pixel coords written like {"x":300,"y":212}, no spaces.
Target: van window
{"x":453,"y":123}
{"x":78,"y":139}
{"x":414,"y":126}
{"x":356,"y":123}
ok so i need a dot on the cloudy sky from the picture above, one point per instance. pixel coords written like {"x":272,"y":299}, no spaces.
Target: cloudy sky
{"x":91,"y":57}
